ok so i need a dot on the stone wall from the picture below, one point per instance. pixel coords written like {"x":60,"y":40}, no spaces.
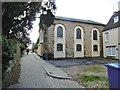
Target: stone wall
{"x":69,"y":37}
{"x":50,"y":36}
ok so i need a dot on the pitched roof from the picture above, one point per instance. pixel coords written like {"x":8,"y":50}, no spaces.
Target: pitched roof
{"x":111,"y":24}
{"x":78,"y":20}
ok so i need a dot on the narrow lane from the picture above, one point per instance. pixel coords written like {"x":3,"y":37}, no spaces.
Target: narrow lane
{"x":33,"y":76}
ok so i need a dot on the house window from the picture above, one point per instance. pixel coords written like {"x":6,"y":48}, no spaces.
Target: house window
{"x":94,"y":35}
{"x":106,"y":37}
{"x":59,"y":47}
{"x":78,"y":33}
{"x":110,"y":51}
{"x":116,"y":19}
{"x":78,"y":47}
{"x":59,"y":31}
{"x":95,"y":48}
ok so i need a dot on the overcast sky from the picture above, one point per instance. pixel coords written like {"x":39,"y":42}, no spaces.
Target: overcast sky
{"x":95,"y":10}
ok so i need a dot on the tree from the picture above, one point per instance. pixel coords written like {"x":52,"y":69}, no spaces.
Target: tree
{"x":47,"y":16}
{"x":18,"y":18}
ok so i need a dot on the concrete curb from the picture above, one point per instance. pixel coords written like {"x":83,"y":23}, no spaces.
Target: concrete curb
{"x":52,"y":74}
{"x":55,"y":76}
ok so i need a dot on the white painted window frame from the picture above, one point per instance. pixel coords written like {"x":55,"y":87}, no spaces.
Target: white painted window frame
{"x":116,"y":19}
{"x":106,"y":37}
{"x":111,"y":51}
{"x":95,"y":42}
{"x":61,"y":34}
{"x":79,"y":41}
{"x":59,"y":54}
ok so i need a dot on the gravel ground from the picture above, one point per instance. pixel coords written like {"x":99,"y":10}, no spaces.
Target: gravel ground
{"x":77,"y":68}
{"x":77,"y":72}
{"x":77,"y":62}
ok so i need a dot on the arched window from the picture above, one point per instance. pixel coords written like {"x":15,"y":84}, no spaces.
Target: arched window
{"x":95,"y":48}
{"x":60,"y":32}
{"x":78,"y":33}
{"x":78,"y":47}
{"x":94,"y":35}
{"x":59,"y":47}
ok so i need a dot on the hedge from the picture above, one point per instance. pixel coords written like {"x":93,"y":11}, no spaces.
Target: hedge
{"x":8,"y":52}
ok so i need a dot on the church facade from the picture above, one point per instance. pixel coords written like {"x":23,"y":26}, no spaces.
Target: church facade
{"x":71,"y":38}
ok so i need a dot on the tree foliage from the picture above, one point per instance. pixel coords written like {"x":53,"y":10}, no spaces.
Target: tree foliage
{"x":18,"y":18}
{"x":17,"y":21}
{"x":47,"y":16}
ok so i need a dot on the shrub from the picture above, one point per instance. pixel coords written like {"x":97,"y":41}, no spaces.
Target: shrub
{"x":8,"y":52}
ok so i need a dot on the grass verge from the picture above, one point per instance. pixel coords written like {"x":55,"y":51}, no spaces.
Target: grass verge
{"x":92,"y":76}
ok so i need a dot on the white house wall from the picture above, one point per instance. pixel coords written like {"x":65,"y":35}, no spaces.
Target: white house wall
{"x":119,"y":40}
{"x":112,"y":41}
{"x":119,"y":51}
{"x":118,"y":5}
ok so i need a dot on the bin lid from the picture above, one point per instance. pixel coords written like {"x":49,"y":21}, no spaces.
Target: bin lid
{"x":113,"y":65}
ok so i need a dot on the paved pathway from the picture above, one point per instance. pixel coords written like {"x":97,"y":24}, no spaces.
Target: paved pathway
{"x":33,"y":75}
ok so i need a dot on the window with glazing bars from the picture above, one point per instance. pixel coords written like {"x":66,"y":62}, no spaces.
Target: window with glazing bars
{"x":94,"y":35}
{"x":59,"y":47}
{"x":78,"y":47}
{"x":60,"y":32}
{"x":78,"y":33}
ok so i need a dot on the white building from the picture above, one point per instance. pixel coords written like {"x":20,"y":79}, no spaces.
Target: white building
{"x":111,"y":40}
